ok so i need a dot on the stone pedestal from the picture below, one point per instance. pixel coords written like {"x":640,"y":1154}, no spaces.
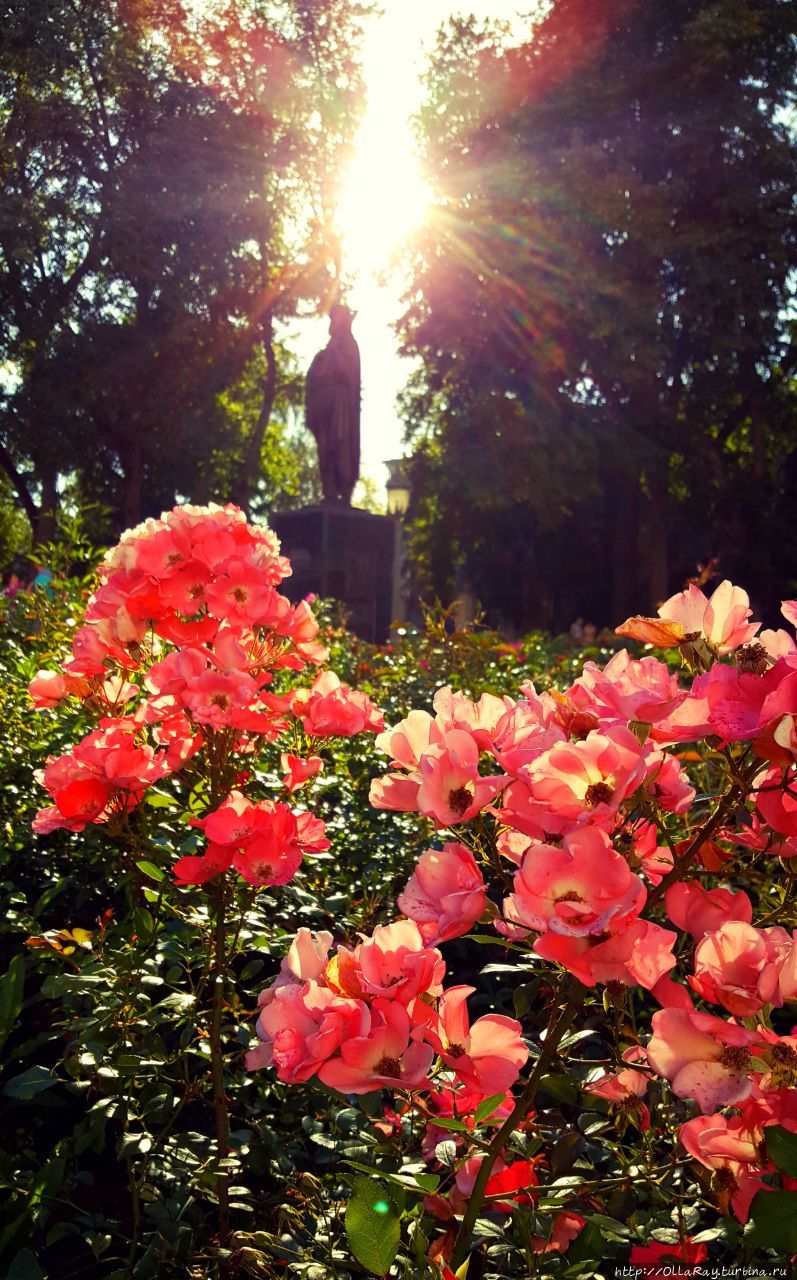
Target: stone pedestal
{"x":341,"y":553}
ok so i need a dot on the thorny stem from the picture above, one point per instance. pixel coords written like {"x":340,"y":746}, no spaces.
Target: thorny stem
{"x":242,"y":914}
{"x":217,"y":1059}
{"x":547,"y":1054}
{"x":486,"y":838}
{"x":135,"y":1200}
{"x":555,"y":1034}
{"x":737,"y":792}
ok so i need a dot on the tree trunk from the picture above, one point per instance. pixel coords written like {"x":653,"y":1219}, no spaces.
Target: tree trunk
{"x":623,"y":521}
{"x":21,"y":489}
{"x":250,"y":468}
{"x":134,"y":478}
{"x":45,"y":526}
{"x":657,"y":549}
{"x":752,"y":405}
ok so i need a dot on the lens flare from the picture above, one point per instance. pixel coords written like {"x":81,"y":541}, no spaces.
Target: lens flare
{"x":384,"y":195}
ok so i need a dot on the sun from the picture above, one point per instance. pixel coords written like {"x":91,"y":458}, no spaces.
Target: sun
{"x":384,"y":198}
{"x":385,"y":195}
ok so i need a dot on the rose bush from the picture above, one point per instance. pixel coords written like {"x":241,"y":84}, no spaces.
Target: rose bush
{"x":571,"y":1050}
{"x":557,"y":798}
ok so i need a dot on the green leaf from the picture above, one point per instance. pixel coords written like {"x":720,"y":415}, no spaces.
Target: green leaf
{"x":560,"y":1087}
{"x":49,"y":895}
{"x":782,"y":1148}
{"x":588,"y":1246}
{"x":427,"y":1181}
{"x":523,"y":997}
{"x":25,"y":1267}
{"x":13,"y":1229}
{"x":47,"y":1182}
{"x":489,"y":941}
{"x":372,"y":1226}
{"x":326,"y":1141}
{"x":11,"y":989}
{"x":456,"y":1126}
{"x":610,"y":1228}
{"x":486,"y":1108}
{"x":133,"y":1144}
{"x":151,"y":870}
{"x":774,"y":1215}
{"x":57,"y":983}
{"x":180,"y":1001}
{"x":158,"y":800}
{"x":143,"y":922}
{"x":161,"y":1099}
{"x":446,"y":1151}
{"x":29,"y":1083}
{"x":401,"y":1182}
{"x":574,"y":1037}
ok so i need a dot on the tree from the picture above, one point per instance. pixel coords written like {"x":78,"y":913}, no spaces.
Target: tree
{"x":286,"y":475}
{"x":160,"y":169}
{"x":600,"y":313}
{"x":302,"y":69}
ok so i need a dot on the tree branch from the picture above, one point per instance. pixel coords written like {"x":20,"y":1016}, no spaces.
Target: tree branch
{"x":22,"y":490}
{"x":250,"y":467}
{"x":550,"y":1045}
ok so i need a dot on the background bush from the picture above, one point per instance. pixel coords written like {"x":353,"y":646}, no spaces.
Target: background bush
{"x":108,"y":1168}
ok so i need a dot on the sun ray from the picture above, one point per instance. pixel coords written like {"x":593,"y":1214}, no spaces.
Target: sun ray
{"x":384,"y":195}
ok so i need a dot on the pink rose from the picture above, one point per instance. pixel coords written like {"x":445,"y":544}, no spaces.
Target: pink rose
{"x":703,"y":1057}
{"x":738,"y":966}
{"x":640,"y":953}
{"x":388,"y":1056}
{"x":451,"y":788}
{"x":721,"y":620}
{"x":330,"y":709}
{"x":578,"y":782}
{"x":487,"y":1056}
{"x":446,"y":894}
{"x":302,"y":1026}
{"x":700,"y":911}
{"x":627,"y":1088}
{"x":395,"y":961}
{"x":581,"y":890}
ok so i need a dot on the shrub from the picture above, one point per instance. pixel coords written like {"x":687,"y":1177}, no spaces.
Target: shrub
{"x":508,"y":1079}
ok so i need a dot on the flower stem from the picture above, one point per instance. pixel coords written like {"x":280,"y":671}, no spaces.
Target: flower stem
{"x":217,"y":1058}
{"x":735,"y":795}
{"x":551,"y":1043}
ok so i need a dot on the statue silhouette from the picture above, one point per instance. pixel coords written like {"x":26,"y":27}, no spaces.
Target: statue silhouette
{"x":332,"y":407}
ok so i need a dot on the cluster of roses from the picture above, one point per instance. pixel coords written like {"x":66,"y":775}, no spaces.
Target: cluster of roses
{"x":376,"y":1016}
{"x":738,"y":1062}
{"x":572,"y":800}
{"x":571,"y":793}
{"x":718,"y":1062}
{"x":582,"y":774}
{"x":178,"y":650}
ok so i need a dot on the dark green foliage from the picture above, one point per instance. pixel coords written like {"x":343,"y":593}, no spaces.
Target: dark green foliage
{"x":108,"y":1165}
{"x":601,"y":306}
{"x":782,"y":1149}
{"x":774,"y":1216}
{"x":109,"y":1156}
{"x":372,"y":1226}
{"x":166,"y":179}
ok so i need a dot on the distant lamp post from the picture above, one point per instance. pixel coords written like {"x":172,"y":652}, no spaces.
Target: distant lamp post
{"x":398,"y":500}
{"x":398,"y":487}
